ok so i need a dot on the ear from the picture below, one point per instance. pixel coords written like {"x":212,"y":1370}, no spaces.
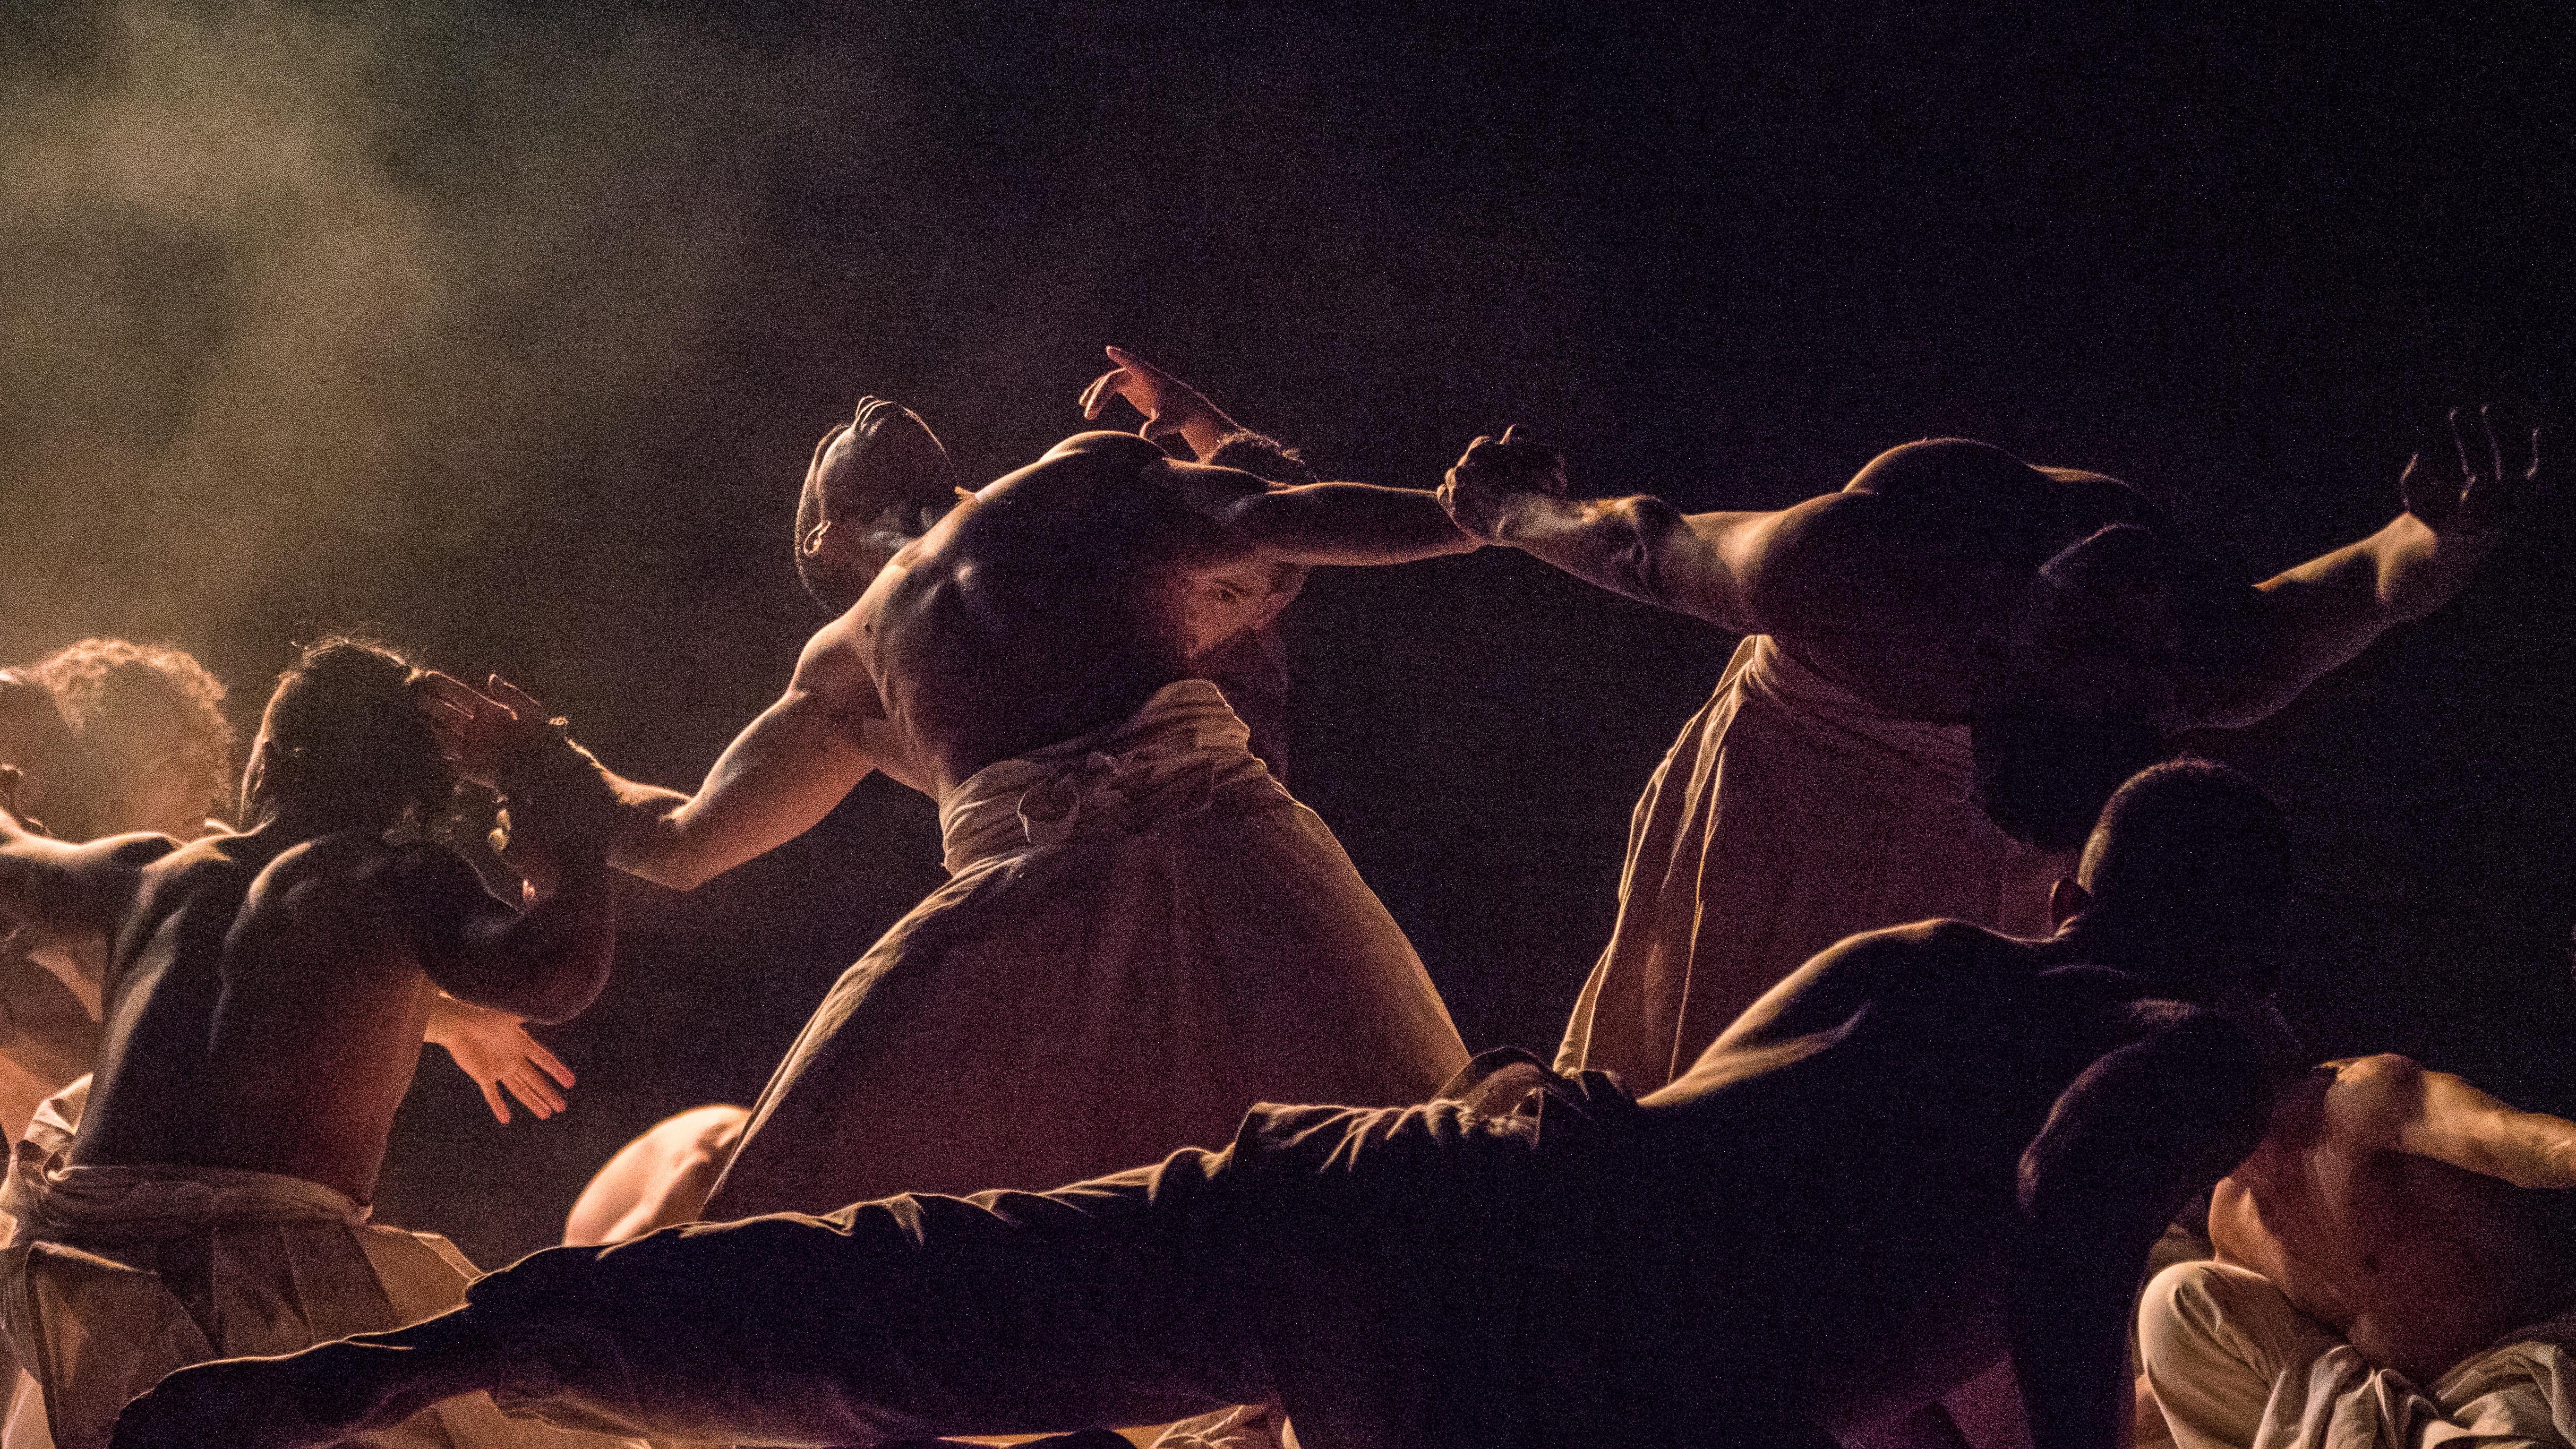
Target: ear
{"x":810,"y":542}
{"x":2066,"y":900}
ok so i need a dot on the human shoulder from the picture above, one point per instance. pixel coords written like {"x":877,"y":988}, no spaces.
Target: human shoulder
{"x":836,"y":670}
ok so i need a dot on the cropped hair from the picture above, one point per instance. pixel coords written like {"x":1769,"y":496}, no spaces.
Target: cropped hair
{"x":2187,"y":836}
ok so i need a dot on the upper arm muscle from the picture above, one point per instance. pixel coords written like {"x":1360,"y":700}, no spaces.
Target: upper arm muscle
{"x":64,"y":888}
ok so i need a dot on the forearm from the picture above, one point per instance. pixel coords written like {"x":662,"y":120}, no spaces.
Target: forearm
{"x":550,"y":961}
{"x":2401,"y":573}
{"x":2313,"y":619}
{"x":1643,"y":548}
{"x":651,"y":840}
{"x":1350,"y":523}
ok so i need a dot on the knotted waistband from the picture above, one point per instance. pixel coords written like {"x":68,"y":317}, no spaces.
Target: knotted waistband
{"x":1170,"y":759}
{"x":1814,"y":704}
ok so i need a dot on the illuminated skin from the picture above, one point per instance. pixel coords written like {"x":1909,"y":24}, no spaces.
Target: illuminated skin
{"x":491,"y":1047}
{"x":273,"y":1015}
{"x":660,"y":1178}
{"x":2381,"y":1204}
{"x":1049,"y":603}
{"x":1892,"y":586}
{"x":1828,"y":1261}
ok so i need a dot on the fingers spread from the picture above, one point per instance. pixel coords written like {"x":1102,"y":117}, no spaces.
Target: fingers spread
{"x":492,"y":1098}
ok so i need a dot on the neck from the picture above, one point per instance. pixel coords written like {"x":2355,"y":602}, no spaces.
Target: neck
{"x":2094,"y":939}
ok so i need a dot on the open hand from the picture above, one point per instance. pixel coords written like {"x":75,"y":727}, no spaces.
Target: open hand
{"x":1496,"y":473}
{"x":2473,"y":487}
{"x":494,"y":1049}
{"x":1168,"y":404}
{"x":483,"y":733}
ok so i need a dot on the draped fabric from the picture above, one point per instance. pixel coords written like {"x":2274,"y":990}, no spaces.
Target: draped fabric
{"x":113,"y":1276}
{"x":1143,"y":934}
{"x":2236,"y":1367}
{"x":1789,"y":815}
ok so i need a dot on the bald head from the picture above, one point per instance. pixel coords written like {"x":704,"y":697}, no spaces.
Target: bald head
{"x":2192,"y":862}
{"x":877,"y":482}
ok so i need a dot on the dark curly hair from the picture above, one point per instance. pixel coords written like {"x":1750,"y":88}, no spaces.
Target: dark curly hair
{"x":348,"y":736}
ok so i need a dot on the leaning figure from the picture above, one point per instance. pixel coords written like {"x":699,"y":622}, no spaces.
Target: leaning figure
{"x":1143,"y":933}
{"x":206,"y":1194}
{"x":1948,"y":666}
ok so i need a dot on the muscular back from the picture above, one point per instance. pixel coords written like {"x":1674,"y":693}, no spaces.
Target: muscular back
{"x":1888,"y":586}
{"x":1873,"y":1129}
{"x":1050,"y":604}
{"x":264,"y":1013}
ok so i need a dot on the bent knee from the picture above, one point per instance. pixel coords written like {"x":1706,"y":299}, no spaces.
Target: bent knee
{"x":2192,"y":1313}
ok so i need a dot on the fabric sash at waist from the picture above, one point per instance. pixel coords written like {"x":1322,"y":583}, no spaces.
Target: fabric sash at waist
{"x":50,"y":1197}
{"x":1809,"y":703}
{"x":1174,"y":757}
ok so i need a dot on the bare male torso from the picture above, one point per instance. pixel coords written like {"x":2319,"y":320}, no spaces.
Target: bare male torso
{"x":1890,"y":586}
{"x":1048,"y":604}
{"x":2416,"y":1261}
{"x":267,"y":996}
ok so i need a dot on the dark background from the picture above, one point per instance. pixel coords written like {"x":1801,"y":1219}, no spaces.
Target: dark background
{"x":508,"y":330}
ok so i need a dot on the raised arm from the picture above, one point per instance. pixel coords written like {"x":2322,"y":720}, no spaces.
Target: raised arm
{"x":1304,"y":521}
{"x":2316,"y":617}
{"x":1511,"y":491}
{"x":2126,"y":1146}
{"x":778,"y":778}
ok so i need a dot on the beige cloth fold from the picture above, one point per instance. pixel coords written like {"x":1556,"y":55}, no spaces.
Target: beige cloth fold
{"x":114,"y":1276}
{"x":1143,"y":935}
{"x":1790,"y":814}
{"x":2236,"y":1367}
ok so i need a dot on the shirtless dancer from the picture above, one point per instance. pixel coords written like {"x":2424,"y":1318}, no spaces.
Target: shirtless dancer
{"x":110,"y":737}
{"x":267,"y":996}
{"x":105,"y":736}
{"x":2384,"y":1269}
{"x":1931,"y":1146}
{"x":1949,"y":664}
{"x":1143,"y":933}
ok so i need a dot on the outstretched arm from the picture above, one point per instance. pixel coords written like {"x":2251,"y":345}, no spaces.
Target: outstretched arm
{"x":2316,"y":617}
{"x":1511,"y":490}
{"x":2125,"y":1147}
{"x":1302,"y":523}
{"x":776,"y":781}
{"x":52,"y":888}
{"x":2390,"y":1103}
